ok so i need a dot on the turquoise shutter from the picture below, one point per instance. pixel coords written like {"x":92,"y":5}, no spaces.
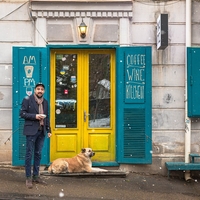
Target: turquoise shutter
{"x":193,"y":81}
{"x":29,"y":67}
{"x":134,"y":105}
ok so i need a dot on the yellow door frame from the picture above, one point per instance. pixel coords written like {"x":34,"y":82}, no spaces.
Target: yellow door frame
{"x":85,"y":136}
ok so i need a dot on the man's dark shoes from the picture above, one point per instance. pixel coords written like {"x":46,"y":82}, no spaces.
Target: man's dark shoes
{"x":38,"y":180}
{"x":29,"y":183}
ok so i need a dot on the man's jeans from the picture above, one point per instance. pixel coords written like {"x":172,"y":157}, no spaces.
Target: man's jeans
{"x":34,"y":144}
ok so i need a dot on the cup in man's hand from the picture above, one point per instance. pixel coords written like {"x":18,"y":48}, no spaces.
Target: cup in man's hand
{"x":43,"y":115}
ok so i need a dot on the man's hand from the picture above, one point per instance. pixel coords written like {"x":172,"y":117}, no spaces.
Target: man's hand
{"x":40,"y":116}
{"x":49,"y":135}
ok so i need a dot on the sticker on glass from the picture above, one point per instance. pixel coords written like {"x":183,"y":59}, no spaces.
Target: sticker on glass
{"x":73,"y":79}
{"x":58,"y":111}
{"x":65,"y":67}
{"x":62,"y":72}
{"x":65,"y":91}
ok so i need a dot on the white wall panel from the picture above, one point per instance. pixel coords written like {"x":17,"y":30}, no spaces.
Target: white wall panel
{"x":195,"y":140}
{"x":16,"y":31}
{"x":6,"y":146}
{"x":168,"y":75}
{"x":174,"y":55}
{"x":143,"y":33}
{"x":6,"y":75}
{"x":160,"y":137}
{"x":148,"y":11}
{"x":168,"y":142}
{"x":5,"y":97}
{"x":176,"y":34}
{"x":196,"y":11}
{"x":147,"y":33}
{"x":168,"y":97}
{"x":169,"y":119}
{"x":6,"y":119}
{"x":196,"y":33}
{"x":14,"y":10}
{"x":196,"y":124}
{"x":6,"y":51}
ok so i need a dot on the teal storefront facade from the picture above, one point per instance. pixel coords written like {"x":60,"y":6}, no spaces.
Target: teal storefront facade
{"x":133,"y":98}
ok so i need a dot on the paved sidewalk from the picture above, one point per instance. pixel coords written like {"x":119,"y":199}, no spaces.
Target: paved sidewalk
{"x":133,"y":186}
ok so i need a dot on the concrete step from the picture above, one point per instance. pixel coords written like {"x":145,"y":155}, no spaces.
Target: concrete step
{"x":109,"y":173}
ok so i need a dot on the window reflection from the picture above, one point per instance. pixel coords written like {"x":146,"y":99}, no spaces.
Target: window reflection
{"x":66,"y":91}
{"x":99,"y":90}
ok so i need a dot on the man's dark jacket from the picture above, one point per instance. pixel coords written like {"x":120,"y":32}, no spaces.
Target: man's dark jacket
{"x":28,"y":111}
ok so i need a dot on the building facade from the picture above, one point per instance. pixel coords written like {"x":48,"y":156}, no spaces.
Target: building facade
{"x":111,"y":26}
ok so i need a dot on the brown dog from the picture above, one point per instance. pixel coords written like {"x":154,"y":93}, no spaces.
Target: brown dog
{"x":79,"y":163}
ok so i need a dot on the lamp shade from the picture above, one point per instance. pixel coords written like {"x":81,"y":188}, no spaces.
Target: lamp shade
{"x":82,"y":29}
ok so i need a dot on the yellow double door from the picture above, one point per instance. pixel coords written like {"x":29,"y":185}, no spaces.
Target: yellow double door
{"x":82,"y":103}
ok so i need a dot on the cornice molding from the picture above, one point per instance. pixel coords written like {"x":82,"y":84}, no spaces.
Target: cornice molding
{"x":106,"y":9}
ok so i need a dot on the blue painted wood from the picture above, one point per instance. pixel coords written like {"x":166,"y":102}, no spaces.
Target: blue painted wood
{"x":193,"y":156}
{"x":105,"y":164}
{"x":29,"y":67}
{"x":181,"y":166}
{"x":134,"y":105}
{"x":193,"y":81}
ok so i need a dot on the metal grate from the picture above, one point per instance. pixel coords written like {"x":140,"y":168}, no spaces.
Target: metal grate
{"x":134,"y":133}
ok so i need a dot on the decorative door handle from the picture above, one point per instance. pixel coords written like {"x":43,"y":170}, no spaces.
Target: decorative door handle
{"x":85,"y":116}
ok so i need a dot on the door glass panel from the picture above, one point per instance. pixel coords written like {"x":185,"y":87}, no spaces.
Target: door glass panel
{"x":66,"y":91}
{"x":99,"y":90}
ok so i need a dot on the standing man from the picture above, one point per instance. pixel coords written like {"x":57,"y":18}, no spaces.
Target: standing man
{"x":35,"y":112}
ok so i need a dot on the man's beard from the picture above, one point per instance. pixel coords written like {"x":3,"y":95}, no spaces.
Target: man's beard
{"x":39,"y":97}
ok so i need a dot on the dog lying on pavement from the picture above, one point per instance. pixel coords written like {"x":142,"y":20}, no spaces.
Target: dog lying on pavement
{"x":79,"y":163}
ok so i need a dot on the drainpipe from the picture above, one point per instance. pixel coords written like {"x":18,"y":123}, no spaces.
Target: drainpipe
{"x":187,"y":119}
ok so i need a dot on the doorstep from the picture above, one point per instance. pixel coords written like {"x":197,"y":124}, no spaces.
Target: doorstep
{"x":109,"y":173}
